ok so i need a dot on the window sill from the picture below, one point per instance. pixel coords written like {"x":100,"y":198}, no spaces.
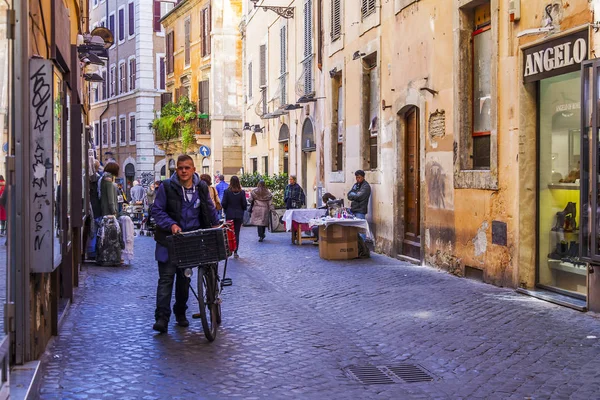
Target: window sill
{"x":370,"y":22}
{"x":400,"y":5}
{"x":336,"y":45}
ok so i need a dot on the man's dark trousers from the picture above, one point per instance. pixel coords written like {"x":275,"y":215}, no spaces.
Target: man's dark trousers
{"x":166,"y":276}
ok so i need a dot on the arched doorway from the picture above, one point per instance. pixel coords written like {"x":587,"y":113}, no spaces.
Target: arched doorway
{"x":409,"y":237}
{"x":284,"y":140}
{"x":206,"y":166}
{"x":129,"y":177}
{"x":309,"y":163}
{"x":172,"y":167}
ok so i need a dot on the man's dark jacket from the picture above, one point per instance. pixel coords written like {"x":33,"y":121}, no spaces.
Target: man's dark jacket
{"x":169,"y":209}
{"x":359,"y":196}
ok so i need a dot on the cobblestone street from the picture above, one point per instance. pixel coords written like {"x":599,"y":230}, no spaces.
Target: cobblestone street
{"x":293,"y":323}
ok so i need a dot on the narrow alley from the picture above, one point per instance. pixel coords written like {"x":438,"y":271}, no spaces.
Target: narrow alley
{"x":294,"y":324}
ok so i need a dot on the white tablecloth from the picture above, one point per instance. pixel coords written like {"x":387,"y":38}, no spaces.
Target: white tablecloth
{"x":361,"y":224}
{"x":302,"y":216}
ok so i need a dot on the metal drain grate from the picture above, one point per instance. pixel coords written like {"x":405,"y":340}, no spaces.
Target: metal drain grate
{"x":410,"y":373}
{"x":387,"y":374}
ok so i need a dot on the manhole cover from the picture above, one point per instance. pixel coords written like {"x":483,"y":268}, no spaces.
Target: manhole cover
{"x":386,"y":374}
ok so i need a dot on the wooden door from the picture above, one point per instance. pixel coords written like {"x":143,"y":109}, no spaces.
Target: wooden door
{"x":412,"y":219}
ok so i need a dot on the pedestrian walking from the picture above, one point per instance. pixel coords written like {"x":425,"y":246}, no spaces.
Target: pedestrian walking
{"x":137,"y":193}
{"x":109,"y":243}
{"x":234,"y":204}
{"x":214,"y":196}
{"x":294,"y":196}
{"x":151,"y":193}
{"x":182,"y":204}
{"x":94,"y":182}
{"x":121,"y":198}
{"x":261,"y":204}
{"x":359,"y":195}
{"x":221,"y":187}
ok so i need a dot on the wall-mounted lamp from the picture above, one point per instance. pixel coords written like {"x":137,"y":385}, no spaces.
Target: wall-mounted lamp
{"x":357,"y":54}
{"x":333,"y":73}
{"x":433,"y":92}
{"x":247,"y":126}
{"x":384,"y":106}
{"x":93,"y":77}
{"x":257,"y":128}
{"x":284,"y":12}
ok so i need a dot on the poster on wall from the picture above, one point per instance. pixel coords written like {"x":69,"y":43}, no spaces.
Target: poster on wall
{"x":41,"y":197}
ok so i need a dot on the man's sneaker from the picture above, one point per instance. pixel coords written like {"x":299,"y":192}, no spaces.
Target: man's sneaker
{"x":161,"y":326}
{"x":182,"y":321}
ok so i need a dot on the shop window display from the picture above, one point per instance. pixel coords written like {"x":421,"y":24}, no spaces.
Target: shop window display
{"x":559,"y":184}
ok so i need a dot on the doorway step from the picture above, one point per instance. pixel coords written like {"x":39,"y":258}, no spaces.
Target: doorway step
{"x":556,"y":298}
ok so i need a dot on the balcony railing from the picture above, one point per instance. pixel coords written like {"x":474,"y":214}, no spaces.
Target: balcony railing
{"x":203,"y":126}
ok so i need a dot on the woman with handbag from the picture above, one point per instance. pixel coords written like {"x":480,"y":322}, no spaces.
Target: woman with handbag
{"x":261,"y":204}
{"x":234,"y":204}
{"x":214,"y":196}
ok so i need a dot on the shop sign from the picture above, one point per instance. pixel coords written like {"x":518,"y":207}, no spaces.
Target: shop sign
{"x":555,"y":57}
{"x":41,"y":197}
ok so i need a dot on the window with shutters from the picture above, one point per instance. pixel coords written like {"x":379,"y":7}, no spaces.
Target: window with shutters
{"x":370,"y":111}
{"x":203,"y":97}
{"x":476,"y":152}
{"x":131,"y":18}
{"x":249,"y":80}
{"x":122,"y":130}
{"x":156,"y":16}
{"x":266,"y":165}
{"x":121,"y":20}
{"x":113,"y":81}
{"x":205,"y":28}
{"x":113,"y":131}
{"x":122,"y":78}
{"x":336,"y":22}
{"x":308,"y":48}
{"x":165,"y":98}
{"x":337,"y":123}
{"x":104,"y":133}
{"x":263,"y":76}
{"x":367,"y":7}
{"x":283,"y":64}
{"x":162,"y":74}
{"x":97,"y":133}
{"x":111,"y":24}
{"x":132,"y":128}
{"x":132,"y":73}
{"x":96,"y":92}
{"x":104,"y":94}
{"x":170,"y":48}
{"x":187,"y":32}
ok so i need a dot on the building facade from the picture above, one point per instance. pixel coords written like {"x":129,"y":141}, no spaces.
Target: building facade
{"x":203,"y":65}
{"x":123,"y":106}
{"x":465,"y":114}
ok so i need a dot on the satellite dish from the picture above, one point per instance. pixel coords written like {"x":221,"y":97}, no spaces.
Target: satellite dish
{"x":105,"y":34}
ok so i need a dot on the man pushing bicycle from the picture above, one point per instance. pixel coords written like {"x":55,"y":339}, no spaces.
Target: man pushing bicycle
{"x":182,"y":204}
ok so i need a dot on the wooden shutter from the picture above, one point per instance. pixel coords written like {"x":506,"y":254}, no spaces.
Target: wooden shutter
{"x":122,"y":24}
{"x":263,"y":65}
{"x":367,"y":8}
{"x":161,"y":84}
{"x":203,"y":32}
{"x":170,"y":56}
{"x":283,"y":49}
{"x":308,"y":28}
{"x":209,"y":28}
{"x":336,"y":23}
{"x":165,"y":98}
{"x":205,"y":97}
{"x":187,"y":41}
{"x":131,"y":19}
{"x":156,"y":16}
{"x":250,"y":80}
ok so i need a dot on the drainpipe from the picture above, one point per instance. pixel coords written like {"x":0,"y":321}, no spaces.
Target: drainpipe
{"x":107,"y":92}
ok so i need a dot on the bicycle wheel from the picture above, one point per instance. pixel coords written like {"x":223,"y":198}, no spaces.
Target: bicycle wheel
{"x":275,"y":223}
{"x":207,"y":286}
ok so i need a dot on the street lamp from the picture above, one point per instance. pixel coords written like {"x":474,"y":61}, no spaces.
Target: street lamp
{"x":284,"y":12}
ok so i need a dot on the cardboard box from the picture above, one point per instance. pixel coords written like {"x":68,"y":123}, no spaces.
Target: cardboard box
{"x":338,"y":242}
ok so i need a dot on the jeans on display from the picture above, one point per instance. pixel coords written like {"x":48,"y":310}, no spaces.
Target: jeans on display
{"x":167,"y":273}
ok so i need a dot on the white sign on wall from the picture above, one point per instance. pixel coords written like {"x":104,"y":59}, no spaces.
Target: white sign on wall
{"x":40,"y":173}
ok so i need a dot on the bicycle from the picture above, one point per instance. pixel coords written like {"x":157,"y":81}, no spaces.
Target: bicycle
{"x":204,"y":249}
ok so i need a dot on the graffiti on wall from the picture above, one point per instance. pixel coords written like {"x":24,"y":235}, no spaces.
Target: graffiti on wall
{"x":440,"y":193}
{"x":40,"y":174}
{"x":146,"y":179}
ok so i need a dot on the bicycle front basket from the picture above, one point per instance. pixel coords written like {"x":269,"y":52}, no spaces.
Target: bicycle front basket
{"x":190,"y":249}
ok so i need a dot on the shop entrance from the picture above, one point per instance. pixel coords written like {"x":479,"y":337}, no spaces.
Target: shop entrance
{"x":284,"y":139}
{"x":560,"y":266}
{"x":590,"y":187}
{"x":411,"y":242}
{"x":309,"y":164}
